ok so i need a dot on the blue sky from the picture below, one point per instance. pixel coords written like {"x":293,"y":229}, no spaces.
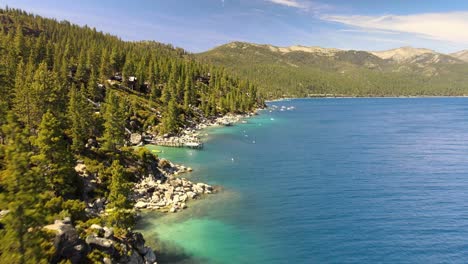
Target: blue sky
{"x":199,"y":25}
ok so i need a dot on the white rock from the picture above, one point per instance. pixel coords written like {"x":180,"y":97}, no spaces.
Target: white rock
{"x":96,"y":227}
{"x":176,"y":198}
{"x":141,"y":205}
{"x":191,"y":195}
{"x":197,"y":189}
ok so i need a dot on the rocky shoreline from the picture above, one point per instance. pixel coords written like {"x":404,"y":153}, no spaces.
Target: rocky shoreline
{"x":160,"y":190}
{"x":170,"y":195}
{"x":190,"y":136}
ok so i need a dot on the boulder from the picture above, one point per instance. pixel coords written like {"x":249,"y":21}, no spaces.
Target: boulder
{"x":164,"y":163}
{"x":108,"y":232}
{"x":96,"y":227}
{"x":99,"y":203}
{"x":197,"y":188}
{"x":3,"y":213}
{"x":135,"y":138}
{"x":80,"y":168}
{"x":150,"y":257}
{"x":68,"y":245}
{"x":155,"y":198}
{"x":176,"y":199}
{"x":141,"y":205}
{"x":161,"y":203}
{"x":137,"y":241}
{"x":168,"y":194}
{"x":100,"y":243}
{"x":92,"y":143}
{"x":135,"y":258}
{"x":191,"y":195}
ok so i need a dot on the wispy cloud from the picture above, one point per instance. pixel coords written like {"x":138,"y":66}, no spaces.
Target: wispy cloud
{"x":305,"y":5}
{"x":450,"y":26}
{"x":290,"y":3}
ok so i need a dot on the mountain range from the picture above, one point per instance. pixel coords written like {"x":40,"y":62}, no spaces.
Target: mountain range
{"x":317,"y":71}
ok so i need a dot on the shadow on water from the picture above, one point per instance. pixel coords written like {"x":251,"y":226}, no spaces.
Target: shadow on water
{"x":169,"y":252}
{"x":178,"y":238}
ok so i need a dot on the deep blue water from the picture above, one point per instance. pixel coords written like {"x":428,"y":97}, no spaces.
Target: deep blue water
{"x":381,"y":180}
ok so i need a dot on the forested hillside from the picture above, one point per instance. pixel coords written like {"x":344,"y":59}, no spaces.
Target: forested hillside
{"x":313,"y":71}
{"x":71,"y":93}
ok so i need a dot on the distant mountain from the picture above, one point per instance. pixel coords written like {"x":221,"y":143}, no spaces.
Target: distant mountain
{"x":461,"y":55}
{"x":415,"y":55}
{"x":402,"y":54}
{"x":318,"y":71}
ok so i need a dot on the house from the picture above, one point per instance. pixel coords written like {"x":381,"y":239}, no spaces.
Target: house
{"x":117,"y":77}
{"x":132,"y":82}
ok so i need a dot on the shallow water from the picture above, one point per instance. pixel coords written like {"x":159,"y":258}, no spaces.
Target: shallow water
{"x":332,"y":181}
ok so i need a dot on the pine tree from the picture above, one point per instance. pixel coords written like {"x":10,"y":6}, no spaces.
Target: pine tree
{"x":54,"y":159}
{"x":166,"y":95}
{"x":120,"y":206}
{"x":92,"y":90}
{"x":19,"y":44}
{"x":114,"y":121}
{"x":188,"y":92}
{"x":22,"y":184}
{"x":80,"y":116}
{"x":45,"y":86}
{"x":104,"y":69}
{"x":170,"y":116}
{"x":80,"y":74}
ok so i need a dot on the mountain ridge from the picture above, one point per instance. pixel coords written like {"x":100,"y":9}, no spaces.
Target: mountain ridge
{"x":304,"y":71}
{"x":398,"y":54}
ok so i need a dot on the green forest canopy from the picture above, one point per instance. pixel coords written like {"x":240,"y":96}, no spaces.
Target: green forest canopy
{"x":70,"y":93}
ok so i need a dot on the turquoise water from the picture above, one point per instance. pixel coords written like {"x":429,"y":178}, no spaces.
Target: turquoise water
{"x":333,"y":181}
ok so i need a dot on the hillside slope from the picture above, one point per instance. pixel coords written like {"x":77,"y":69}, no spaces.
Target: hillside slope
{"x":71,"y":100}
{"x":312,"y":71}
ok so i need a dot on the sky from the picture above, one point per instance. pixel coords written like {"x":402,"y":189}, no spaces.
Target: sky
{"x":200,"y":25}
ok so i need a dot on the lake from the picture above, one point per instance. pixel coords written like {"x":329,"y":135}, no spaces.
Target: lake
{"x":366,"y":180}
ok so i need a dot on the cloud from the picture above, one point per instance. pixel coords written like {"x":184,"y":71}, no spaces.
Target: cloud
{"x":305,"y":5}
{"x":289,"y":3}
{"x":450,"y":26}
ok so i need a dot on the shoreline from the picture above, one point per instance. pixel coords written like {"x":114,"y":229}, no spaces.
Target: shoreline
{"x":168,"y":192}
{"x":365,"y":97}
{"x":190,"y":136}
